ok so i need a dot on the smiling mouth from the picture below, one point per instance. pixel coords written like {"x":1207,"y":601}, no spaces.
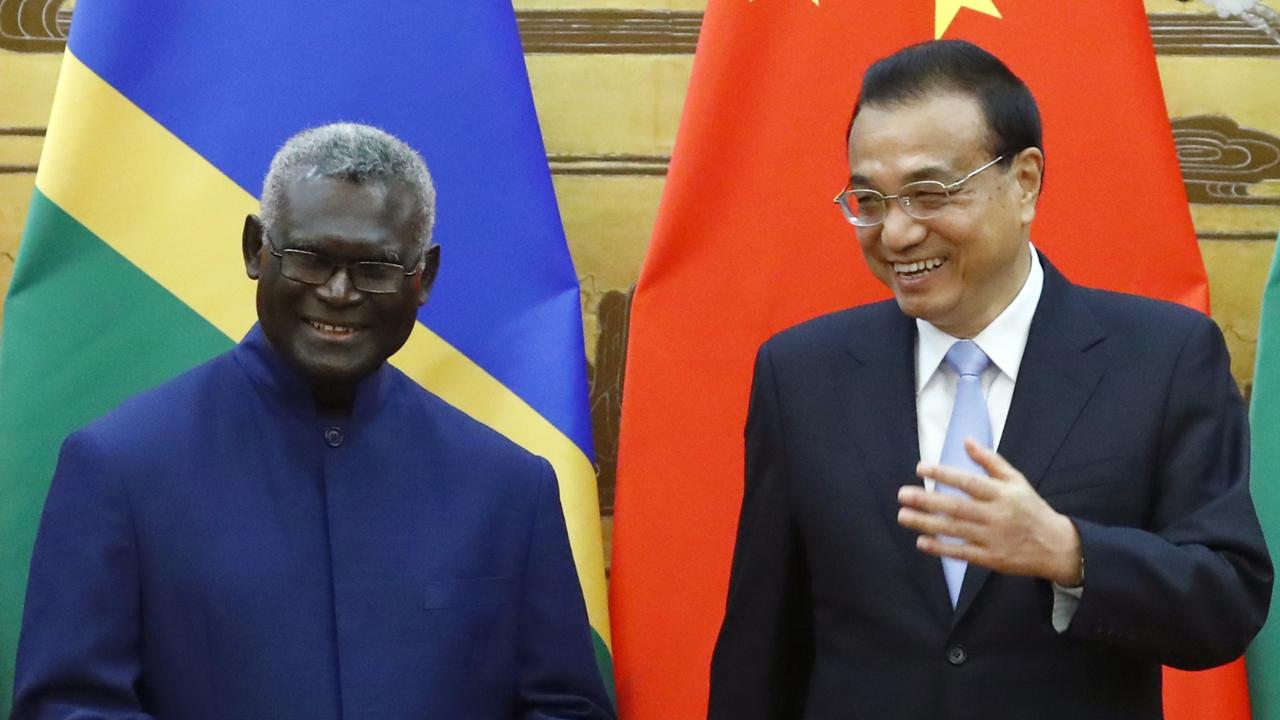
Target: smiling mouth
{"x":918,"y":269}
{"x":332,"y":330}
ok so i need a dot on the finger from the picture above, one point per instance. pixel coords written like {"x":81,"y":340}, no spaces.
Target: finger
{"x":958,"y":506}
{"x":936,"y":524}
{"x":969,"y":552}
{"x":977,"y":486}
{"x":991,"y":461}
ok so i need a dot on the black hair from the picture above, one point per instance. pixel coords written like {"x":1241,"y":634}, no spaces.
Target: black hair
{"x":914,"y":72}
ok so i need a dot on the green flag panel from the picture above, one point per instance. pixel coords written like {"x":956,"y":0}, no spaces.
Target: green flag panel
{"x":1263,"y":660}
{"x":84,"y":329}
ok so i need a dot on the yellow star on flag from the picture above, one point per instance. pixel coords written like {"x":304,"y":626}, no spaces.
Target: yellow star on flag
{"x":945,"y":11}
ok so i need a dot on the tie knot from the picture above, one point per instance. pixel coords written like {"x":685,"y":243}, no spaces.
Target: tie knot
{"x":966,"y":358}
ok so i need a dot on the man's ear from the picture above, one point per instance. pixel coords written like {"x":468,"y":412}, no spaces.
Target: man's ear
{"x":1028,"y":169}
{"x":251,"y":246}
{"x":430,"y":266}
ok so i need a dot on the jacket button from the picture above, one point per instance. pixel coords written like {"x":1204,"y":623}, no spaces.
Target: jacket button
{"x":333,"y":436}
{"x":956,"y":655}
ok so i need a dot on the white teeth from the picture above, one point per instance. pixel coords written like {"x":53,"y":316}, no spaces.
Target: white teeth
{"x":918,"y":266}
{"x":335,"y":329}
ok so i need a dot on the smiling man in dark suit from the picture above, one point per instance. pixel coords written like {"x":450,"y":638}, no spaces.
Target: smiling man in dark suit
{"x":890,"y":563}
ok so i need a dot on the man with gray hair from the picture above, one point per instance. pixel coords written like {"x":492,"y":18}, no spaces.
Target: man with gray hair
{"x":295,"y":529}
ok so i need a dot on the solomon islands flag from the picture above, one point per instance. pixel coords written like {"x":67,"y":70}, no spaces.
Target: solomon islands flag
{"x":164,"y":121}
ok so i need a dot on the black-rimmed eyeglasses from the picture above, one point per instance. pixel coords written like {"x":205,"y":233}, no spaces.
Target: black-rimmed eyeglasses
{"x":315,"y":269}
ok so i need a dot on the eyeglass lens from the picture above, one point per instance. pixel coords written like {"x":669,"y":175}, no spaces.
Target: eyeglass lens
{"x":921,"y":200}
{"x":313,"y":269}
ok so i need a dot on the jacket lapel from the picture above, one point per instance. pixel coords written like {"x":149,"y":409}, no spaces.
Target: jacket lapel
{"x":878,"y":397}
{"x":1057,"y":376}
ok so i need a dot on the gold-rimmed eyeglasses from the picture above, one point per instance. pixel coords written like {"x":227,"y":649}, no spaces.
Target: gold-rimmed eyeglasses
{"x":921,"y":200}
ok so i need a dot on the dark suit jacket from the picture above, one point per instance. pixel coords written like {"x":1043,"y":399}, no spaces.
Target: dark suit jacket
{"x":216,"y":549}
{"x":1124,"y":417}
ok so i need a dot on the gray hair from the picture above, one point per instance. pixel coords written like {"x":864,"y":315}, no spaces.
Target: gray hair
{"x":355,"y":153}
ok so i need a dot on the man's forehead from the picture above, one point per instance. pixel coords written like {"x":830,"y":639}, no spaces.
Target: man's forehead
{"x":923,"y":139}
{"x":943,"y":163}
{"x":311,"y":193}
{"x":322,"y":212}
{"x":905,"y":169}
{"x":935,"y":104}
{"x":374,"y":201}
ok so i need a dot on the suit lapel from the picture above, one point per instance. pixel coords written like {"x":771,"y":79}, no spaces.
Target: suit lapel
{"x":878,"y":396}
{"x":1057,"y":376}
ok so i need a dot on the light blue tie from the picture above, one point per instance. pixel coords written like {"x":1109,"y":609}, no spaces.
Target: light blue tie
{"x":969,"y":419}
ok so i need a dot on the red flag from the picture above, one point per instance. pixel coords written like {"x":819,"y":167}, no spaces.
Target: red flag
{"x":748,"y":242}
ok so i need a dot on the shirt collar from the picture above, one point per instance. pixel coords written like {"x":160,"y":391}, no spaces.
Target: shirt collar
{"x":1003,"y":340}
{"x":270,"y":372}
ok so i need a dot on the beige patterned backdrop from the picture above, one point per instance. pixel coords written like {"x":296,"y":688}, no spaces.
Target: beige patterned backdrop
{"x":609,"y":77}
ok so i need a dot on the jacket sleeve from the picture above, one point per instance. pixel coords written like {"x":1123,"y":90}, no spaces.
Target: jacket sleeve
{"x":79,"y":652}
{"x":1193,"y":588}
{"x":764,"y":652}
{"x":558,"y":674}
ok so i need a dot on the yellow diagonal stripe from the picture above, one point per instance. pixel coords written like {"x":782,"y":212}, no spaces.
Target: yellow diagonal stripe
{"x":178,"y":219}
{"x":440,"y":368}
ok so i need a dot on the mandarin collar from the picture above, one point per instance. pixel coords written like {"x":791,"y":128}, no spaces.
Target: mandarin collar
{"x":276,"y":378}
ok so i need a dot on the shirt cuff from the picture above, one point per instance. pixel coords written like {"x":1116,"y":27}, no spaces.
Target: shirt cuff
{"x":1065,"y":603}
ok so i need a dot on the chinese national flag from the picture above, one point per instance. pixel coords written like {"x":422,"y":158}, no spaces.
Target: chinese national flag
{"x":748,"y":242}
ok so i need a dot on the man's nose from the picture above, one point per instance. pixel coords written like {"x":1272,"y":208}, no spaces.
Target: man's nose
{"x":900,"y":230}
{"x":338,"y":289}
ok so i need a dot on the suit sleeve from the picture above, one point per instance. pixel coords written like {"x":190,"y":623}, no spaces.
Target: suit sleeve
{"x":558,"y":674}
{"x":764,"y":653}
{"x":79,"y":652}
{"x":1193,"y":589}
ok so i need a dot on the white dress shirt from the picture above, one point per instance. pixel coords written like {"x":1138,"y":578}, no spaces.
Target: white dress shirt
{"x":1003,"y":341}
